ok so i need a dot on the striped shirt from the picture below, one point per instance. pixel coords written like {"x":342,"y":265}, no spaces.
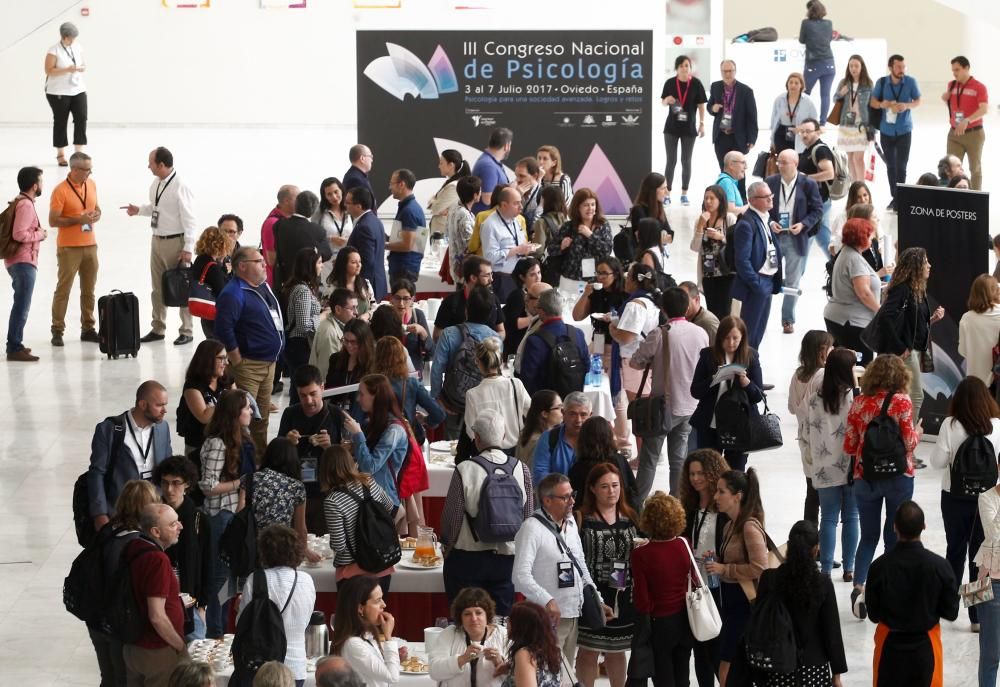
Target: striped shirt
{"x":341,"y":513}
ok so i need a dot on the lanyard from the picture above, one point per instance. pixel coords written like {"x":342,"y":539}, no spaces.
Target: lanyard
{"x":784,"y":198}
{"x":682,"y":97}
{"x":698,"y":524}
{"x":791,"y":112}
{"x":69,"y":52}
{"x":475,"y":662}
{"x":159,"y":192}
{"x":959,"y":87}
{"x":149,"y":444}
{"x":728,"y":99}
{"x":853,"y":92}
{"x":767,"y":232}
{"x":83,"y":198}
{"x":338,"y":227}
{"x":512,"y":232}
{"x":897,"y":93}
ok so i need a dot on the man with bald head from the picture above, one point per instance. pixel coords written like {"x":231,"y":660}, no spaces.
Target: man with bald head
{"x":335,"y":671}
{"x":126,"y":447}
{"x":287,"y":195}
{"x":356,"y":175}
{"x":505,"y":240}
{"x":795,"y":215}
{"x":531,"y":307}
{"x":758,"y":262}
{"x":160,"y":647}
{"x":734,"y":110}
{"x":731,"y":179}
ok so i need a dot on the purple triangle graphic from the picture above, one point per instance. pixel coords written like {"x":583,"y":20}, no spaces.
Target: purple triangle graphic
{"x":599,"y":175}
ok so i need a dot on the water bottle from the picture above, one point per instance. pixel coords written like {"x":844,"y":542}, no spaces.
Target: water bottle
{"x":713,"y":580}
{"x":596,"y":371}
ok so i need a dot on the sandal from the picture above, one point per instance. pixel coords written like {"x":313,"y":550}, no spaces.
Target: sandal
{"x":62,"y":161}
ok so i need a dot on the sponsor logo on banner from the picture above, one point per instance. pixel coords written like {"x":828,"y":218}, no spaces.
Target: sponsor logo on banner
{"x":588,"y":121}
{"x":630,"y":120}
{"x":609,"y":120}
{"x":566,"y":122}
{"x":483,"y":120}
{"x":780,"y":55}
{"x":401,"y":74}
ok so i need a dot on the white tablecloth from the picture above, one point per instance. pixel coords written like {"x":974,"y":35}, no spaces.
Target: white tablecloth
{"x":404,"y":580}
{"x":415,"y":648}
{"x":600,"y":399}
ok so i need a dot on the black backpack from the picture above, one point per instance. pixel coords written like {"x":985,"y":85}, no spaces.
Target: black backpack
{"x":729,"y":250}
{"x":125,"y":620}
{"x":566,"y":370}
{"x":974,"y":469}
{"x":501,"y":502}
{"x":883,"y":454}
{"x":83,"y":588}
{"x":770,"y":636}
{"x":375,"y":534}
{"x":830,"y":264}
{"x":82,"y":521}
{"x":260,"y":632}
{"x":238,"y":543}
{"x":462,"y":373}
{"x":732,"y":418}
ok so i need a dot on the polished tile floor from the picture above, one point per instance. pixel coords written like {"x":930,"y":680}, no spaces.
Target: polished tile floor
{"x":52,"y":406}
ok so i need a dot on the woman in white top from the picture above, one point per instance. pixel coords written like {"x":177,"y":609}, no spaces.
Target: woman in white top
{"x":460,"y":222}
{"x":638,"y":317}
{"x":790,"y":109}
{"x":452,"y":167}
{"x":476,"y":644}
{"x":979,"y":328}
{"x":988,"y":560}
{"x":333,"y":217}
{"x":281,"y":550}
{"x":65,"y":90}
{"x":362,"y":632}
{"x":972,"y":412}
{"x":816,"y":344}
{"x":828,"y":400}
{"x":550,"y":164}
{"x":496,"y":393}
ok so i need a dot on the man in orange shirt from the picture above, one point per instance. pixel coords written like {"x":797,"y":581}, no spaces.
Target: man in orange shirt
{"x":73,"y":210}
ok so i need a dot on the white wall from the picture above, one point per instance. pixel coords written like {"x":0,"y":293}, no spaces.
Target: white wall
{"x":235,"y":63}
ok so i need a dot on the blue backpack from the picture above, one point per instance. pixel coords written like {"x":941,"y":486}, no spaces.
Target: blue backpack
{"x":501,"y":503}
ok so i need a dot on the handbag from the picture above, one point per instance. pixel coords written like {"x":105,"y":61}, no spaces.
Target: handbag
{"x":238,"y":544}
{"x":835,"y":112}
{"x":775,"y":557}
{"x":703,"y":615}
{"x":977,"y":592}
{"x":927,"y":357}
{"x":871,"y":336}
{"x":175,"y":285}
{"x":592,"y":614}
{"x":765,"y":431}
{"x":650,"y":415}
{"x":766,"y":164}
{"x":201,"y":300}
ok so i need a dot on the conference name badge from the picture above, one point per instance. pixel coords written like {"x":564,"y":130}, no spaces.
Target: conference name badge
{"x":785,"y":220}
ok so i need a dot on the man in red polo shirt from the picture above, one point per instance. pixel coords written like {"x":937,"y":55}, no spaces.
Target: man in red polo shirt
{"x":161,"y":647}
{"x":967,"y":102}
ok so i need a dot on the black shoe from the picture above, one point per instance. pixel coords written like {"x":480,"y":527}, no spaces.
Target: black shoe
{"x":57,"y":340}
{"x":767,"y":387}
{"x":277,"y":387}
{"x":891,"y":207}
{"x":182,"y":339}
{"x":858,"y":606}
{"x":91,"y":336}
{"x":152,"y":336}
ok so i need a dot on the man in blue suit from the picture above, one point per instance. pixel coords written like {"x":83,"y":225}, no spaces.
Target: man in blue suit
{"x":795,"y":216}
{"x":368,"y":237}
{"x":758,"y":262}
{"x":734,"y":110}
{"x":126,"y":447}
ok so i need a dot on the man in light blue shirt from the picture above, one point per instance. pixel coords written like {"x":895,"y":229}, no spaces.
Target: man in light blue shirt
{"x":896,"y":94}
{"x":734,"y":169}
{"x":505,"y":241}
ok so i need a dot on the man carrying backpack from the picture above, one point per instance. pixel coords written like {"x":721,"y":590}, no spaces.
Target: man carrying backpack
{"x":551,"y":360}
{"x":160,"y":647}
{"x":817,"y":162}
{"x":489,"y":497}
{"x":909,"y":590}
{"x":454,"y":370}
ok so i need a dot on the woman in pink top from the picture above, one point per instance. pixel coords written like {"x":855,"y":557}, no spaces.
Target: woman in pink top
{"x":21,"y":260}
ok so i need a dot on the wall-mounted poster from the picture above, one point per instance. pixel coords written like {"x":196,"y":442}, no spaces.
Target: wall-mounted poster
{"x":586,"y":92}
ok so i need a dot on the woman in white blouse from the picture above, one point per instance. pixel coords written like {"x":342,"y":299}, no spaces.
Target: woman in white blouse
{"x":362,"y":632}
{"x":65,"y":90}
{"x":979,"y":328}
{"x":988,"y":560}
{"x":452,"y":167}
{"x":496,"y":393}
{"x":477,"y":644}
{"x":333,"y":217}
{"x":972,"y":412}
{"x":281,"y":550}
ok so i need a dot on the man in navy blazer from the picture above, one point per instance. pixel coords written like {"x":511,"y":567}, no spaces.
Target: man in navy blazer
{"x":795,"y":216}
{"x":126,"y":447}
{"x":735,"y":116}
{"x":368,"y":237}
{"x":758,"y":262}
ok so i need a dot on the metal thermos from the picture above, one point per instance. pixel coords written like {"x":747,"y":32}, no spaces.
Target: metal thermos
{"x":317,"y":637}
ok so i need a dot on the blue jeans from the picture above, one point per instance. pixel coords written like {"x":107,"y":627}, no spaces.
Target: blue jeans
{"x":869,"y":496}
{"x":214,"y":617}
{"x":823,"y":71}
{"x":837,"y":504}
{"x":199,"y":628}
{"x":795,"y":267}
{"x":22,"y":277}
{"x":822,"y":237}
{"x":989,"y":638}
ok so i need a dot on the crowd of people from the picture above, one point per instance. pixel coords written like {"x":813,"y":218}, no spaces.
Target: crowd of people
{"x":546,"y":502}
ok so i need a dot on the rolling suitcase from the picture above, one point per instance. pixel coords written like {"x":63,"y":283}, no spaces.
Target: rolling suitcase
{"x":118,"y":319}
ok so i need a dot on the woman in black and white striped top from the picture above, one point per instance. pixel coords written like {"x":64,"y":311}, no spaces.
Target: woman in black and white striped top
{"x":339,"y":474}
{"x":301,"y":292}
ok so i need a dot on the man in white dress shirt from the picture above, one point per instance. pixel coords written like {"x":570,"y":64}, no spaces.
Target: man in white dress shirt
{"x":543,"y":569}
{"x":171,"y":213}
{"x":505,"y":241}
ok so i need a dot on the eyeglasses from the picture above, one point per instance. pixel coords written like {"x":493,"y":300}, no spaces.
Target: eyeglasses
{"x":258,"y":260}
{"x":222,"y":357}
{"x":605,"y":274}
{"x":565,"y":498}
{"x":350,"y":342}
{"x":769,"y":195}
{"x":555,"y":408}
{"x":401,"y":299}
{"x":531,"y":298}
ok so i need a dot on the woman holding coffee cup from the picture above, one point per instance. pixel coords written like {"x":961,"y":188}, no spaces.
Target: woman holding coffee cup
{"x":475,"y":645}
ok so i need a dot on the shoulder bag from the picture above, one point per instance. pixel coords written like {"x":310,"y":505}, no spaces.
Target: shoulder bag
{"x":775,"y":557}
{"x":238,"y":544}
{"x":201,"y":300}
{"x":592,"y":614}
{"x":703,"y":615}
{"x":835,"y":112}
{"x":650,"y":415}
{"x":175,"y":284}
{"x":765,"y":431}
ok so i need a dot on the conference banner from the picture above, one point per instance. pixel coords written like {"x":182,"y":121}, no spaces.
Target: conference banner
{"x":586,"y":92}
{"x":953,"y":226}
